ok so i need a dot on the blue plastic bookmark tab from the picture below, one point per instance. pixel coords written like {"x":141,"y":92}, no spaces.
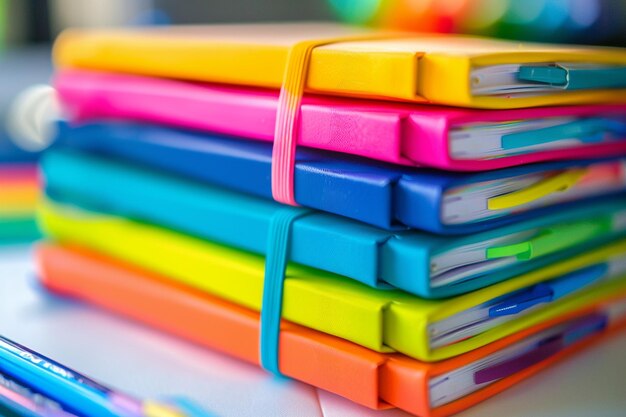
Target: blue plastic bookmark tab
{"x":277,"y":255}
{"x":574,"y":77}
{"x":577,"y":280}
{"x":589,"y":130}
{"x":548,"y":291}
{"x":537,"y":294}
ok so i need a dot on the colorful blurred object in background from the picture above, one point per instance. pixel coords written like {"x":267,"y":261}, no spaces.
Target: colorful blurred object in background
{"x":23,"y":61}
{"x":572,"y":21}
{"x":26,"y":30}
{"x":18,"y":195}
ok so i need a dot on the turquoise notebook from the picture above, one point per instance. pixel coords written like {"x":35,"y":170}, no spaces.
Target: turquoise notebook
{"x":417,"y":262}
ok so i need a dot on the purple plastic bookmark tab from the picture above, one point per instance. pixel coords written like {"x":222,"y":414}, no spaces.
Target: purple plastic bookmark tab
{"x":578,"y":330}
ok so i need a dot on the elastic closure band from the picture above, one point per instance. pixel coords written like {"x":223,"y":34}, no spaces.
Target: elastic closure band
{"x":288,"y":114}
{"x":278,"y":244}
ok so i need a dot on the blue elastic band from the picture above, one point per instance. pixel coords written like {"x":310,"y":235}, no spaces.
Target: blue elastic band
{"x":278,"y":244}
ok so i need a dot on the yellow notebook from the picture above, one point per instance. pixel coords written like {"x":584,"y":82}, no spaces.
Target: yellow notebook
{"x":442,"y":69}
{"x":378,"y":319}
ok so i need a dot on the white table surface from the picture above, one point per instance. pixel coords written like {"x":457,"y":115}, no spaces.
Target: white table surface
{"x":150,"y":364}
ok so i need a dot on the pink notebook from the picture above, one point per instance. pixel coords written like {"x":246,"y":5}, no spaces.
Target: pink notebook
{"x":407,"y":134}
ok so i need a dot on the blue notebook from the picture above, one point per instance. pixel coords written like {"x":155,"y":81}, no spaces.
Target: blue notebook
{"x":417,"y":262}
{"x":384,"y":195}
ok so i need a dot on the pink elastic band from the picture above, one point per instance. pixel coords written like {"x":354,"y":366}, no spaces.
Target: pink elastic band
{"x":288,"y":113}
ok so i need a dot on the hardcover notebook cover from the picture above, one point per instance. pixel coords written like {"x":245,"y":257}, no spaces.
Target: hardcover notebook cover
{"x":383,"y":195}
{"x":372,"y":379}
{"x":453,"y":70}
{"x":414,"y":135}
{"x":419,"y":263}
{"x":382,"y":320}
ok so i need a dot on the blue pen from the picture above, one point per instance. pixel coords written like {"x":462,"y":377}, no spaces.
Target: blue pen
{"x":19,"y":399}
{"x":83,"y":395}
{"x":548,"y":291}
{"x":78,"y":393}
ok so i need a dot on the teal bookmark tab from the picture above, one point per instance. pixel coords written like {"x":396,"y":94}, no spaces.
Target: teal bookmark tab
{"x":587,"y":130}
{"x":543,"y":74}
{"x":277,"y":255}
{"x":575,"y":77}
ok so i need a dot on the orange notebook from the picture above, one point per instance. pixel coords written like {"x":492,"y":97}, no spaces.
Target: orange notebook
{"x":376,"y":380}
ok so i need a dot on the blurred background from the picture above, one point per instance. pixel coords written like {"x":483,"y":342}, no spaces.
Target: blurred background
{"x":27,"y":27}
{"x":581,"y":21}
{"x":571,"y":21}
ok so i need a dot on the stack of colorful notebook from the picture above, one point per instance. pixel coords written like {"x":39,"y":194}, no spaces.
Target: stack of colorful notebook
{"x":421,"y":257}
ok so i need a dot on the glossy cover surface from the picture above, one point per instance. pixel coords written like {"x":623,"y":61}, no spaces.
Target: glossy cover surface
{"x":383,"y":195}
{"x":413,"y":135}
{"x":378,"y":319}
{"x":373,"y":256}
{"x":410,"y":67}
{"x":372,"y":379}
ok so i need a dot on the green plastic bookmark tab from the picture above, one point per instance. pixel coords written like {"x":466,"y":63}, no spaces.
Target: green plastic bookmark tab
{"x":552,"y":239}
